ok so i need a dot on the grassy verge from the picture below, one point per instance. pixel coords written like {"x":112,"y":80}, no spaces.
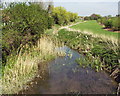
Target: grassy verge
{"x":22,"y":67}
{"x":99,"y":53}
{"x":94,"y":27}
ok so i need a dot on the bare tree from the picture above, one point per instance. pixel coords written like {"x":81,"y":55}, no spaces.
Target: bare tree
{"x":45,"y":4}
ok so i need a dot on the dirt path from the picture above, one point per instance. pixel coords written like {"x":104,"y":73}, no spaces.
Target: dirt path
{"x":69,"y":25}
{"x":66,"y":27}
{"x":114,"y":40}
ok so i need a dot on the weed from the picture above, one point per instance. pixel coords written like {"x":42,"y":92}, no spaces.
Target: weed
{"x":99,"y":53}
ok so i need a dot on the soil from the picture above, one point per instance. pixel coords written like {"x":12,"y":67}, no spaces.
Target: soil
{"x":110,"y":29}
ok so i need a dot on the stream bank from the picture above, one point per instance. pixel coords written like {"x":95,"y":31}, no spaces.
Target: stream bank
{"x":63,"y":75}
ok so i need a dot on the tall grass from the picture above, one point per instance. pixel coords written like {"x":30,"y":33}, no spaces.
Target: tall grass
{"x":102,"y":36}
{"x":22,"y":68}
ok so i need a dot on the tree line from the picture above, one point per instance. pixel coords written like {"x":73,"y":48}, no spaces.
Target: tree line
{"x":23,"y":23}
{"x":110,"y":22}
{"x":107,"y":21}
{"x":63,"y":17}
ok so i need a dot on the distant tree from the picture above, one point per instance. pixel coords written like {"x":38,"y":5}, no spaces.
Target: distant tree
{"x":87,"y":18}
{"x":95,"y":17}
{"x":109,"y":16}
{"x":117,"y":15}
{"x":62,"y":17}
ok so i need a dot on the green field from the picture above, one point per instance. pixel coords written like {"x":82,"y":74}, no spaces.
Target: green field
{"x":93,"y":26}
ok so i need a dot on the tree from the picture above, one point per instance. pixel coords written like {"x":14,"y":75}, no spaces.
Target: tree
{"x":95,"y":16}
{"x":62,"y":17}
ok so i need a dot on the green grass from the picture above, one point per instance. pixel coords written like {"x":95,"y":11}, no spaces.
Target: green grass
{"x":93,"y":26}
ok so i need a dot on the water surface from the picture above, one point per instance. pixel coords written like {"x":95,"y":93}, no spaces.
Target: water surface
{"x":63,"y":76}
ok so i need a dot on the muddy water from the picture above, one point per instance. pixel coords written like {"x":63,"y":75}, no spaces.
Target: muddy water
{"x":64,"y":76}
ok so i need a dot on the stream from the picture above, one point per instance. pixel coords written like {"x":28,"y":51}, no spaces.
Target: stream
{"x":64,"y":76}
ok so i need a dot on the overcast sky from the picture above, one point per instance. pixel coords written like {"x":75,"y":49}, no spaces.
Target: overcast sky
{"x":88,"y":8}
{"x":84,"y":7}
{"x":63,"y":0}
{"x":86,"y":0}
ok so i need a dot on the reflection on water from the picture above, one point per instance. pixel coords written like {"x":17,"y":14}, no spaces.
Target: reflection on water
{"x":64,"y":75}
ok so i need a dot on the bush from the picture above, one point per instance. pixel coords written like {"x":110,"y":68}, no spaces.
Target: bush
{"x":108,"y":23}
{"x":23,"y":24}
{"x":50,"y":22}
{"x":116,"y":23}
{"x":108,"y":56}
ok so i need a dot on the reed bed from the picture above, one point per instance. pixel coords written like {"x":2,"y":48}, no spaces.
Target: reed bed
{"x":22,"y":68}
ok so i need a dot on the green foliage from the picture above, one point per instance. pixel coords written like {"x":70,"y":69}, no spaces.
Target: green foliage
{"x":50,"y":22}
{"x":23,"y":24}
{"x":93,"y":17}
{"x":108,"y":56}
{"x":98,"y":53}
{"x":62,"y":17}
{"x":107,"y":21}
{"x":116,"y":23}
{"x":11,"y":39}
{"x":24,"y":19}
{"x":86,"y":18}
{"x":89,"y":61}
{"x":110,"y":22}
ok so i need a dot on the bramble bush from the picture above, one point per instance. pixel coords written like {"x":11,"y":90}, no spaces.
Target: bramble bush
{"x":23,"y":24}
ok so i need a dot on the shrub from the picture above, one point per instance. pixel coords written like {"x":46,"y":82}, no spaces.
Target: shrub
{"x":116,"y":23}
{"x":108,"y":56}
{"x":23,"y":24}
{"x":108,"y":23}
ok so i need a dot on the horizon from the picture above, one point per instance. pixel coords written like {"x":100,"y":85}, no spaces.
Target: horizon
{"x":88,"y":8}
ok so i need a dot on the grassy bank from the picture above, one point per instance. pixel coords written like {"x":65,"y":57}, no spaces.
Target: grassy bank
{"x":94,"y":27}
{"x":99,"y":53}
{"x":23,"y":66}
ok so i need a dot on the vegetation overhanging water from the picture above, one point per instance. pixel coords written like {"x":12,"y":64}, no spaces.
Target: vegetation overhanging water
{"x":63,"y":75}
